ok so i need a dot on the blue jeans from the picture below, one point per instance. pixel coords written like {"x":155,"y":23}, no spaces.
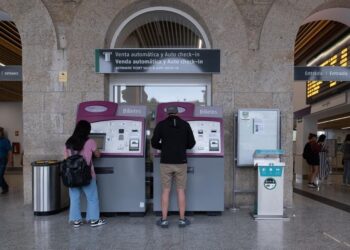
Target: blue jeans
{"x":92,"y":210}
{"x":346,"y":175}
{"x":3,"y":184}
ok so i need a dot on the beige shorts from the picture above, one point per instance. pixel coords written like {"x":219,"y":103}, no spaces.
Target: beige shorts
{"x":168,"y":171}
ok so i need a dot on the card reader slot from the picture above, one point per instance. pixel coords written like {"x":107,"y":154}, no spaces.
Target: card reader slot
{"x":104,"y":170}
{"x":190,"y":170}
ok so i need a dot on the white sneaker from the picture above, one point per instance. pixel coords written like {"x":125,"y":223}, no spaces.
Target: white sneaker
{"x":77,"y":223}
{"x":96,"y":223}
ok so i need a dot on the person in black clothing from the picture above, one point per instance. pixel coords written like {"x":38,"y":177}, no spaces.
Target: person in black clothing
{"x":5,"y":157}
{"x":173,"y":136}
{"x":311,"y":155}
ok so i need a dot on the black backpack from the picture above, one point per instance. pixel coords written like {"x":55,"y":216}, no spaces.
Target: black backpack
{"x":75,"y":171}
{"x":307,"y":152}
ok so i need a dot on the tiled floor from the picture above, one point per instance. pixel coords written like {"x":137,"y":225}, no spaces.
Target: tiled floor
{"x":313,"y":225}
{"x":331,"y":191}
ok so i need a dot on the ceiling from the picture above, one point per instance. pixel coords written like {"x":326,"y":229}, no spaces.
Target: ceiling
{"x":314,"y":37}
{"x":335,"y":122}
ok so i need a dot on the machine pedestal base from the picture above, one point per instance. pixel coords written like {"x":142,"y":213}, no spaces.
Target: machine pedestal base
{"x":113,"y":214}
{"x":191,"y":213}
{"x":271,"y":217}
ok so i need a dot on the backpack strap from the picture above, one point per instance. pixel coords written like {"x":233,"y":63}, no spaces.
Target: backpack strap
{"x":75,"y":152}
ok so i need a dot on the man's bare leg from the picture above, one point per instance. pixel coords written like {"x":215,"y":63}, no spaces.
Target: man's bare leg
{"x":165,"y":202}
{"x":181,"y":200}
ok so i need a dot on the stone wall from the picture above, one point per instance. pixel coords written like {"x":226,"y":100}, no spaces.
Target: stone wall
{"x":256,"y":39}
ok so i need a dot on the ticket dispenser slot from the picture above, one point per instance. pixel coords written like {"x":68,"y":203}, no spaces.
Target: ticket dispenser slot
{"x":213,"y":145}
{"x":134,"y":144}
{"x":121,"y":134}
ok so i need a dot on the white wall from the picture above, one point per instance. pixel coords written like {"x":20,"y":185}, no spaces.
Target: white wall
{"x":11,"y":121}
{"x":338,"y":134}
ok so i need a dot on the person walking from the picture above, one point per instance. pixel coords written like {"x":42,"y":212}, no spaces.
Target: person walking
{"x":81,"y":143}
{"x":172,"y":137}
{"x":311,"y":155}
{"x":324,"y":164}
{"x":5,"y":158}
{"x":346,"y":159}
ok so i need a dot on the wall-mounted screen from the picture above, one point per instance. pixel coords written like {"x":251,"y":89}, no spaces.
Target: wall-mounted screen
{"x":100,"y":139}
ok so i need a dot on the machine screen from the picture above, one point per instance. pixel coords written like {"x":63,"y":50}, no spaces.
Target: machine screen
{"x":121,"y":136}
{"x":207,"y":135}
{"x":100,"y":139}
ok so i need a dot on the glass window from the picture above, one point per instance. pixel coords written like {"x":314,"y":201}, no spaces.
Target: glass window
{"x":153,"y":94}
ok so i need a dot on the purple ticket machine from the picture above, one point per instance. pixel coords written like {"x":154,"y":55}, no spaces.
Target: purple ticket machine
{"x":119,"y":131}
{"x":205,"y":179}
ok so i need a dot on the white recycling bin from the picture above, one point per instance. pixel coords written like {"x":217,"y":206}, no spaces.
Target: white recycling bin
{"x":270,"y":184}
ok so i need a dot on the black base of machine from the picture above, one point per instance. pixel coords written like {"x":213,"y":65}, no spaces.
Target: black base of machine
{"x":37,"y":213}
{"x":191,"y":213}
{"x":113,"y":214}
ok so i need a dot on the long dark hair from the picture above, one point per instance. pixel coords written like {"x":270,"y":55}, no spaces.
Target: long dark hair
{"x":79,"y":136}
{"x":321,"y":138}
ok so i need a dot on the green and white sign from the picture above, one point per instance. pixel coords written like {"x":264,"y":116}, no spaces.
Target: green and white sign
{"x":270,"y":183}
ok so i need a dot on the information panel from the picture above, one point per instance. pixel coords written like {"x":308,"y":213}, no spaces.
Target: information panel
{"x":118,"y":136}
{"x":257,"y":129}
{"x":207,"y":135}
{"x":11,"y":73}
{"x":157,"y":61}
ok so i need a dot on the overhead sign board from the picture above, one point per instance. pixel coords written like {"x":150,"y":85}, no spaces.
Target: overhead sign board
{"x":11,"y":73}
{"x":325,"y":73}
{"x":155,"y":61}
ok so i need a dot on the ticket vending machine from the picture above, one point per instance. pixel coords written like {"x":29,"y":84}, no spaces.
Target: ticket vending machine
{"x":205,"y":173}
{"x":119,"y":131}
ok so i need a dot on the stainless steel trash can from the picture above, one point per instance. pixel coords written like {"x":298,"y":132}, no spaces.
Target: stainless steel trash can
{"x":46,"y":187}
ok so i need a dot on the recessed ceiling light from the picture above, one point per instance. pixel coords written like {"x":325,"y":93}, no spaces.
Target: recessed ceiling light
{"x":333,"y":120}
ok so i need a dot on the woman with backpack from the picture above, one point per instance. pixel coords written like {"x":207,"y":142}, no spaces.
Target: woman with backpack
{"x":80,"y":143}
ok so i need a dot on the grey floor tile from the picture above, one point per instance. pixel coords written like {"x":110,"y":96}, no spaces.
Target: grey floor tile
{"x":313,"y":226}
